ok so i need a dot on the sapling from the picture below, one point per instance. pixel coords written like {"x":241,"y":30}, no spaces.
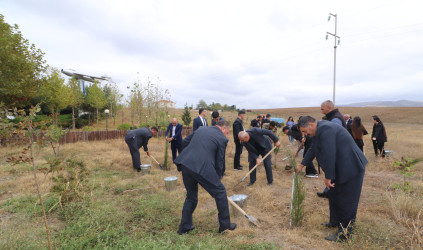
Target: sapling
{"x":405,"y":166}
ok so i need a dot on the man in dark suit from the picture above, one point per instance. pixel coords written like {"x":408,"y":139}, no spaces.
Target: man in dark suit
{"x":257,"y":142}
{"x":174,"y":130}
{"x":200,"y":120}
{"x":237,"y":127}
{"x":256,"y":123}
{"x":136,"y":139}
{"x":202,"y":161}
{"x":215,"y":118}
{"x":348,"y":122}
{"x":344,"y":166}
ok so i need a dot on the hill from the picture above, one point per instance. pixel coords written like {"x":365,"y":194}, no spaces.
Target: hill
{"x":400,"y":103}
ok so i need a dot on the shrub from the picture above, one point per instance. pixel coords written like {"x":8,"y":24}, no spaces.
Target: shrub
{"x":87,"y":128}
{"x":124,"y":126}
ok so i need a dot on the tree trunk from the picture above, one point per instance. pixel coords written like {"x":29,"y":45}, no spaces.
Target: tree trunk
{"x":73,"y":118}
{"x":97,"y":118}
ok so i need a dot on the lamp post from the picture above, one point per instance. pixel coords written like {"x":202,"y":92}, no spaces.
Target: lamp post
{"x":106,"y":111}
{"x":337,"y":38}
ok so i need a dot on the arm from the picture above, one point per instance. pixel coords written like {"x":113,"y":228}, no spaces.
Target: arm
{"x":365,"y":131}
{"x":299,"y":149}
{"x":145,"y":143}
{"x":270,"y":134}
{"x":328,"y":154}
{"x":337,"y":121}
{"x":220,"y":158}
{"x":167,"y":130}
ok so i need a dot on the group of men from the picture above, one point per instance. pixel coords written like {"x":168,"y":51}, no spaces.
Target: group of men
{"x":202,"y":161}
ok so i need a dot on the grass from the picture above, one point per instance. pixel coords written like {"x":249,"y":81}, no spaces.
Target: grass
{"x":149,"y":218}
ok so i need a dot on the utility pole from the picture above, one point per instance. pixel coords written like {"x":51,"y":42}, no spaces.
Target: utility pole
{"x":337,"y":39}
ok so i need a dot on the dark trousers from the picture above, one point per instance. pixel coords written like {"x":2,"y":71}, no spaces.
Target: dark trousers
{"x":360,"y":144}
{"x":135,"y":152}
{"x":343,"y":200}
{"x":175,"y":147}
{"x":214,"y":187}
{"x":379,"y":148}
{"x":267,"y":166}
{"x":238,"y":152}
{"x":310,"y":169}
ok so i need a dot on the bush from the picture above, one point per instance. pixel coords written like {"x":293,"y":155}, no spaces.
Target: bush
{"x":124,"y":126}
{"x":81,"y":122}
{"x":87,"y":128}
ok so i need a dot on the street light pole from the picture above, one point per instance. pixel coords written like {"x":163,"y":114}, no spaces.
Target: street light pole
{"x":336,"y":38}
{"x":107,"y":119}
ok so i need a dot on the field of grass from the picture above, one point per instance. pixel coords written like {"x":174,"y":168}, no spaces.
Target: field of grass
{"x":104,"y":216}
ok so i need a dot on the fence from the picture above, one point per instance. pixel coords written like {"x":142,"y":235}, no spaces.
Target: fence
{"x":72,"y":137}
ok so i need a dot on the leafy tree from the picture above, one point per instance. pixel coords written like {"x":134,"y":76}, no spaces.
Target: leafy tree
{"x":95,"y":97}
{"x":136,"y":102}
{"x":76,"y":97}
{"x":114,"y":97}
{"x":186,"y":116}
{"x":55,"y":93}
{"x":21,"y":66}
{"x":202,"y":104}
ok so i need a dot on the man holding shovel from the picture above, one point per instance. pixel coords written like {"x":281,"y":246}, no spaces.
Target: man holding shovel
{"x":136,"y":139}
{"x":202,"y":161}
{"x":257,"y":142}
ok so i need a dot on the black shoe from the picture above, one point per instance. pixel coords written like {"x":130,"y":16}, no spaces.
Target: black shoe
{"x":181,"y":232}
{"x":270,"y":183}
{"x":138,"y":169}
{"x":328,"y":224}
{"x":336,"y":237}
{"x":323,"y":195}
{"x":250,"y":184}
{"x":238,"y":168}
{"x":231,"y":227}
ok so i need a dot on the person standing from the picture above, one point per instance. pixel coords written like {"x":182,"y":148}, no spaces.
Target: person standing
{"x":332,"y":114}
{"x":203,"y":162}
{"x":379,"y":136}
{"x":174,"y":130}
{"x":348,"y":122}
{"x":257,"y":141}
{"x":200,"y":120}
{"x":358,"y":132}
{"x":215,"y":118}
{"x":135,"y":139}
{"x":237,"y":127}
{"x":290,"y":123}
{"x":344,"y":167}
{"x":255,"y":123}
{"x":266,"y":120}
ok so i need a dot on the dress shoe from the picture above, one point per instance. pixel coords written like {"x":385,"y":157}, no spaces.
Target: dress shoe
{"x":336,"y":237}
{"x":181,"y":232}
{"x":328,"y":224}
{"x":250,"y":184}
{"x":322,"y":195}
{"x":231,"y":227}
{"x":138,"y":169}
{"x":238,"y":168}
{"x":270,"y":183}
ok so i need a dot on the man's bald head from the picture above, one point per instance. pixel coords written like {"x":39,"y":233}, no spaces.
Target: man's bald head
{"x":243,"y":136}
{"x":327,"y":106}
{"x":174,"y":121}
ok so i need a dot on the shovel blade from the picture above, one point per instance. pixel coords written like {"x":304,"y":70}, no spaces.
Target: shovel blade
{"x":252,"y":219}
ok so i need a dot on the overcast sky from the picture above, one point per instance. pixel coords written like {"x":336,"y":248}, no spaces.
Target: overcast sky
{"x":255,"y":54}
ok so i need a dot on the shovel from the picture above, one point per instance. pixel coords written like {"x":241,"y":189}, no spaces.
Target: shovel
{"x":249,"y":217}
{"x":160,"y":165}
{"x":245,"y":177}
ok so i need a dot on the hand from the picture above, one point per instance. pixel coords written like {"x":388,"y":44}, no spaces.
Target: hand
{"x":296,"y":155}
{"x":148,"y":153}
{"x":170,"y":139}
{"x":299,"y":168}
{"x":303,"y":140}
{"x":374,"y":138}
{"x":277,"y":144}
{"x":329,"y":184}
{"x":258,"y":162}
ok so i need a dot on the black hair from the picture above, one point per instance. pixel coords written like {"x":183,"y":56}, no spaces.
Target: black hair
{"x":305,"y":120}
{"x":154,"y":128}
{"x":268,"y":115}
{"x":200,"y":111}
{"x":241,"y":112}
{"x":272,"y":123}
{"x":215,"y":114}
{"x":259,"y":116}
{"x":285,"y":128}
{"x":290,"y":118}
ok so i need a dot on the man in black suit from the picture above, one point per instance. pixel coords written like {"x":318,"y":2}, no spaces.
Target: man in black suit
{"x":257,"y":142}
{"x":200,"y":120}
{"x":348,"y":122}
{"x":203,"y":162}
{"x":237,"y":127}
{"x":255,"y":123}
{"x":174,"y":130}
{"x":136,"y":139}
{"x":344,"y":166}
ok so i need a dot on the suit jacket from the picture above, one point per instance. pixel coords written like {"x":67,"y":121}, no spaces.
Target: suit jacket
{"x":141,"y":135}
{"x":214,"y":123}
{"x":204,"y":152}
{"x":348,"y":125}
{"x":178,"y":132}
{"x":255,"y":123}
{"x":236,"y":128}
{"x":337,"y":153}
{"x":198,"y":123}
{"x":261,"y":140}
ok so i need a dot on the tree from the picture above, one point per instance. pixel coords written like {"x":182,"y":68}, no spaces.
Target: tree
{"x":136,"y":102}
{"x":186,"y":116}
{"x":55,"y":93}
{"x":202,"y":104}
{"x":114,"y":97}
{"x":21,"y":67}
{"x":95,"y":97}
{"x":76,"y":97}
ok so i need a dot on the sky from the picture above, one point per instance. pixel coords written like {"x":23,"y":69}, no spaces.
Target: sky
{"x":254,"y":54}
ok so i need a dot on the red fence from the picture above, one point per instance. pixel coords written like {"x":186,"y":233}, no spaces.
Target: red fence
{"x":72,"y":137}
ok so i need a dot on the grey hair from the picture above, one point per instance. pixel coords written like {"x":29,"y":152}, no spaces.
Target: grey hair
{"x":305,"y":120}
{"x":329,"y":104}
{"x":242,"y":135}
{"x":223,"y":123}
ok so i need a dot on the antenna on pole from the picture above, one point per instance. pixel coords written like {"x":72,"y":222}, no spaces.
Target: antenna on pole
{"x":337,"y":40}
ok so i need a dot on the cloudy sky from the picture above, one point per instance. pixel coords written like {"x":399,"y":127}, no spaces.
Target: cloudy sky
{"x":255,"y":54}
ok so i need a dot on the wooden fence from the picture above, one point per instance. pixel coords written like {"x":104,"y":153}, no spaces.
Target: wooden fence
{"x":76,"y":136}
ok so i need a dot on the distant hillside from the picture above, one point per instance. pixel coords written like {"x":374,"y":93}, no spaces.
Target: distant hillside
{"x":400,"y":103}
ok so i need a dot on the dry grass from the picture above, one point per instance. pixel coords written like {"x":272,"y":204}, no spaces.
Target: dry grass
{"x":386,"y":218}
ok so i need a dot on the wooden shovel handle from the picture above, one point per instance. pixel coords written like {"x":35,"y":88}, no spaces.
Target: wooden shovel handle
{"x":262,"y":159}
{"x":154,"y":159}
{"x":236,"y":206}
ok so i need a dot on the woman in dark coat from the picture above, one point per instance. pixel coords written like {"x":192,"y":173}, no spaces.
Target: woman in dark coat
{"x":379,"y":136}
{"x":358,"y":131}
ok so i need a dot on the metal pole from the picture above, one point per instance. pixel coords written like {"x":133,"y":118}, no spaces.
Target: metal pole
{"x":107,"y":121}
{"x":334,"y":61}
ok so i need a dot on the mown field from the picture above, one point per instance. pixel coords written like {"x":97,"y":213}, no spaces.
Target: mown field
{"x":100,"y":214}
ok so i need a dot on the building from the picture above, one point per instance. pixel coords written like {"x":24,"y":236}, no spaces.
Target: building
{"x":165,"y":104}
